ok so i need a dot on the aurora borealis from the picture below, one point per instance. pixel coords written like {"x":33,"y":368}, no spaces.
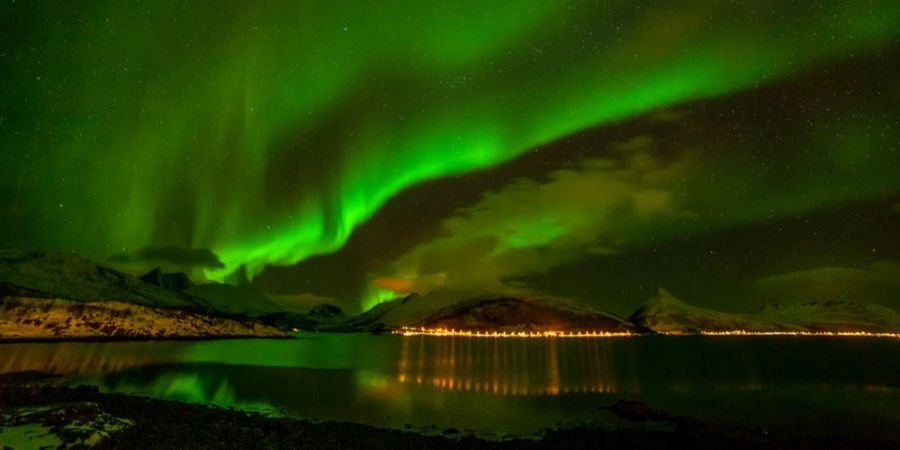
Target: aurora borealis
{"x":730,"y":152}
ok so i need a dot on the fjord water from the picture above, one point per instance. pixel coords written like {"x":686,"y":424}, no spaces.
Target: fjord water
{"x":824,"y":386}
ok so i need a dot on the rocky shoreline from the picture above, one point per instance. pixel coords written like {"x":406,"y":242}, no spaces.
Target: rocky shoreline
{"x":36,"y":410}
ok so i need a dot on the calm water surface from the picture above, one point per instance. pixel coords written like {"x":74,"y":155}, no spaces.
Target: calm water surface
{"x":843,"y":386}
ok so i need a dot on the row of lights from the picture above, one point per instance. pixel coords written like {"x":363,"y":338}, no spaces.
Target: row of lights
{"x":421,"y":331}
{"x":801,"y":333}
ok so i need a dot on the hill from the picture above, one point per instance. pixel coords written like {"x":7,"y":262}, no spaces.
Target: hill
{"x":47,"y":295}
{"x":474,"y":310}
{"x":664,"y":313}
{"x":71,"y":277}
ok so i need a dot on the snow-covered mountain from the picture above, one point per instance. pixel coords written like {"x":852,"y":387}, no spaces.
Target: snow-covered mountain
{"x":72,"y":277}
{"x":64,"y":296}
{"x":834,"y":316}
{"x":664,"y":313}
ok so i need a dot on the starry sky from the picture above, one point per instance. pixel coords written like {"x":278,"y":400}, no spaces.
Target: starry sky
{"x":733,"y":153}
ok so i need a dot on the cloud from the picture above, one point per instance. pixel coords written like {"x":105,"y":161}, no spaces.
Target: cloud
{"x":531,"y":225}
{"x":171,"y":255}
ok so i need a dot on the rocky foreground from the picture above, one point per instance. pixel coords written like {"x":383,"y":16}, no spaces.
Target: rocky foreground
{"x":35,"y":412}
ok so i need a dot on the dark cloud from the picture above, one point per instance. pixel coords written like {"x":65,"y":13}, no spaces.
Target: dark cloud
{"x":530,"y":226}
{"x":721,"y":268}
{"x":200,"y":258}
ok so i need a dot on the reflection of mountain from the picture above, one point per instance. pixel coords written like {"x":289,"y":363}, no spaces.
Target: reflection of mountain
{"x":473,"y":310}
{"x":666,"y":314}
{"x":83,"y":358}
{"x":507,"y":367}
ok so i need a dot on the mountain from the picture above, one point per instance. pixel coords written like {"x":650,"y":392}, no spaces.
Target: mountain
{"x":832,"y":315}
{"x":230,"y":299}
{"x":326,"y":313}
{"x":48,"y":319}
{"x":245,"y":301}
{"x":64,"y":296}
{"x":71,"y":277}
{"x":473,"y":310}
{"x":319,"y":318}
{"x":664,"y":313}
{"x":523,"y":314}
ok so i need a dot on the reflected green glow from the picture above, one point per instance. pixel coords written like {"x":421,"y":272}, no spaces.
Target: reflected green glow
{"x":189,"y":387}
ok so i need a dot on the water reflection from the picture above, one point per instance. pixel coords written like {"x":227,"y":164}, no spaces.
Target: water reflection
{"x":83,"y":358}
{"x":516,"y":385}
{"x":507,"y":366}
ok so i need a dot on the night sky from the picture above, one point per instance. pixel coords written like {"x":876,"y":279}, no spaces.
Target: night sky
{"x":735,"y":154}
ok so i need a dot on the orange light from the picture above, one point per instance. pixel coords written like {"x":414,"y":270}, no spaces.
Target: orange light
{"x":421,"y":331}
{"x":409,"y":331}
{"x":801,"y":333}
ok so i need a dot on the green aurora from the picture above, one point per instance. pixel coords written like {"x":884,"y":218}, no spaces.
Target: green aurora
{"x":268,"y":134}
